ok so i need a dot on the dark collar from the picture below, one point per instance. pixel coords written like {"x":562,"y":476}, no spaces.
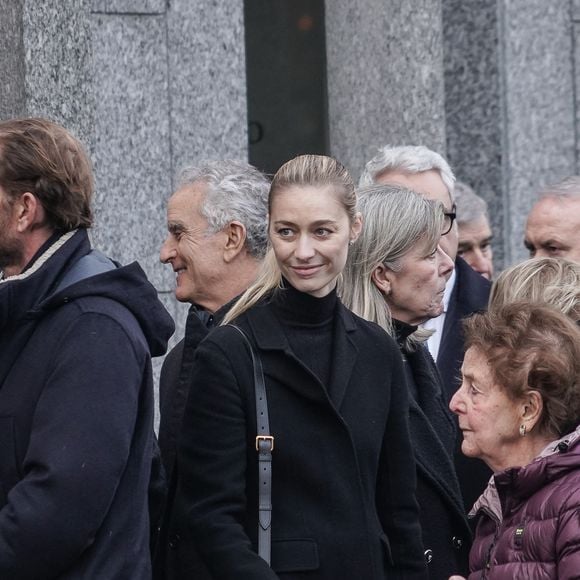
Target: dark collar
{"x":403,"y":331}
{"x":297,"y":307}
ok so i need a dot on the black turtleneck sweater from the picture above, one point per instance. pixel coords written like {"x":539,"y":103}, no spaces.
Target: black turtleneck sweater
{"x":308,"y":323}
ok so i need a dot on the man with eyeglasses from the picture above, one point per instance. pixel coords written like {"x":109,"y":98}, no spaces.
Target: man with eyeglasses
{"x":426,"y":172}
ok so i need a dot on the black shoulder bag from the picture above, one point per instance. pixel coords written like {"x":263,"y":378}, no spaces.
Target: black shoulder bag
{"x":264,"y":447}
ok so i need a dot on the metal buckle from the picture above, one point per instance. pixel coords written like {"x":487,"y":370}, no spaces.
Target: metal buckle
{"x":268,"y":438}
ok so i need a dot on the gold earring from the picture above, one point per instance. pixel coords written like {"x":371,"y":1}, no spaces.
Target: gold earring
{"x":523,"y":430}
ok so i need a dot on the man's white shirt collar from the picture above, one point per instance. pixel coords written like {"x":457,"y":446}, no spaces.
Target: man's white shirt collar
{"x":436,"y":324}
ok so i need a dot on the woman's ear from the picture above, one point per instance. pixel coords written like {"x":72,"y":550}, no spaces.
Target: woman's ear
{"x":381,"y":279}
{"x":532,"y":408}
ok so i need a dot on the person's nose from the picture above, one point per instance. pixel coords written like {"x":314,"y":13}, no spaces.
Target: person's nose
{"x":304,"y":248}
{"x":479,"y":262}
{"x":456,"y":404}
{"x":445,"y":262}
{"x":167,"y":251}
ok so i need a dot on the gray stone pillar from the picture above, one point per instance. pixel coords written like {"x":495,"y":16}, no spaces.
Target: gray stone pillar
{"x":12,"y":97}
{"x":385,"y":77}
{"x":509,"y":105}
{"x":46,"y":52}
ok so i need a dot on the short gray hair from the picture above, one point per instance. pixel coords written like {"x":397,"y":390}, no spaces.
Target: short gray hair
{"x":568,"y":188}
{"x":407,"y":159}
{"x":236,"y":191}
{"x":395,"y":219}
{"x":470,"y":206}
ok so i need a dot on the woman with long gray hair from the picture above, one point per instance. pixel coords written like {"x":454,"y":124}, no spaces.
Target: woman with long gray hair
{"x":395,"y":276}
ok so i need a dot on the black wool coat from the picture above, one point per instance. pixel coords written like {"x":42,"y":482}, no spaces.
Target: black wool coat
{"x":175,"y":556}
{"x":470,"y":294}
{"x":445,"y":528}
{"x":343,"y":475}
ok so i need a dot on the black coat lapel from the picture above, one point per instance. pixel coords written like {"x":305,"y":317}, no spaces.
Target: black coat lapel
{"x":344,"y":355}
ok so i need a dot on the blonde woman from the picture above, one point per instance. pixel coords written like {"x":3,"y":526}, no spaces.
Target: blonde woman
{"x":554,"y":281}
{"x":343,"y":480}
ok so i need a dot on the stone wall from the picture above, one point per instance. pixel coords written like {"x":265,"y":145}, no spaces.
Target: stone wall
{"x":151,"y":85}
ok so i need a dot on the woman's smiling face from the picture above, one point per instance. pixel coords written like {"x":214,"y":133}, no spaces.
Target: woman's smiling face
{"x":310,"y":233}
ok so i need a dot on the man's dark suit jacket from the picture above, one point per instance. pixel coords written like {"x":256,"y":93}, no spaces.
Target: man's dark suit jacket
{"x":470,"y":294}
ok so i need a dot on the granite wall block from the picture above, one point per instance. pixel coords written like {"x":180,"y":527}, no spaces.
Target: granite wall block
{"x":129,"y":6}
{"x":539,"y":116}
{"x":59,"y":65}
{"x":385,"y":77}
{"x":132,"y":153}
{"x":473,"y":112}
{"x":12,"y":63}
{"x":207,"y":75}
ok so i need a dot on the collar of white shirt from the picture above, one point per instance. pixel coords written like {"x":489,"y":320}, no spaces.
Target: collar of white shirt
{"x":436,"y":324}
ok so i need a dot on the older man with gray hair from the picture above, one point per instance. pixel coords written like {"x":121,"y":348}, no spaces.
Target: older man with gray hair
{"x":475,"y":233}
{"x":426,"y":172}
{"x":553,"y":226}
{"x":217,"y":224}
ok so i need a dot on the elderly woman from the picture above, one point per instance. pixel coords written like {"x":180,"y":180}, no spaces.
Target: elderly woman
{"x":554,"y":281}
{"x":395,"y":276}
{"x":519,"y":409}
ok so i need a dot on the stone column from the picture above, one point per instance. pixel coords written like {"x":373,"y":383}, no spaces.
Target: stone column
{"x":385,"y":77}
{"x":509,"y":105}
{"x":45,"y":52}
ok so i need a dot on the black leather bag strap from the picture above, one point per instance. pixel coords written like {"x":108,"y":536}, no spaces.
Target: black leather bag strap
{"x":264,"y":447}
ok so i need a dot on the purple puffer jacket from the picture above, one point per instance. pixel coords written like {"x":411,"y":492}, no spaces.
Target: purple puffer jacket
{"x":529,"y":526}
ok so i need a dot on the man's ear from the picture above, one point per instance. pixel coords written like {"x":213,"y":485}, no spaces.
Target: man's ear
{"x":381,"y":279}
{"x":28,"y":213}
{"x":235,"y":240}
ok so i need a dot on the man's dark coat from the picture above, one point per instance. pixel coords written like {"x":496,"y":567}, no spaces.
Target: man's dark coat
{"x":76,"y":417}
{"x":470,"y":294}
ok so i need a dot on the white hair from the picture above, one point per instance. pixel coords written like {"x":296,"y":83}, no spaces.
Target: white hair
{"x":407,"y":159}
{"x":470,"y":206}
{"x":236,"y":191}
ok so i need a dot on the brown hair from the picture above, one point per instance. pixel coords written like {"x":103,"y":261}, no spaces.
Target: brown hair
{"x":43,"y":158}
{"x":532,"y":347}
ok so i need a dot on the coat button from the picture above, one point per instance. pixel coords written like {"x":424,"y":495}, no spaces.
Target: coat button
{"x":457,"y":542}
{"x":428,"y":556}
{"x":173,"y":541}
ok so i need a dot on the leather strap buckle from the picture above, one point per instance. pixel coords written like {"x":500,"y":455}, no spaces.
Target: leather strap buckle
{"x":266,"y":438}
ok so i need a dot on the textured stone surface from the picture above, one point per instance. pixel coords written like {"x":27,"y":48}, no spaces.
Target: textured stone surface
{"x":129,"y":6}
{"x":59,"y":64}
{"x":132,"y":154}
{"x":208,"y":81}
{"x":473,"y":104}
{"x":575,"y":9}
{"x":385,"y":77}
{"x":12,"y":67}
{"x":539,"y":106}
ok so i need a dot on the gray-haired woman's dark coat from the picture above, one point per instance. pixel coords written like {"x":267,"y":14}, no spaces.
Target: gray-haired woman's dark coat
{"x":343,"y":474}
{"x":446,"y":532}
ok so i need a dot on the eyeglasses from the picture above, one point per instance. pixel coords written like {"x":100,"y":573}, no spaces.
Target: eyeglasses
{"x":450,"y":217}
